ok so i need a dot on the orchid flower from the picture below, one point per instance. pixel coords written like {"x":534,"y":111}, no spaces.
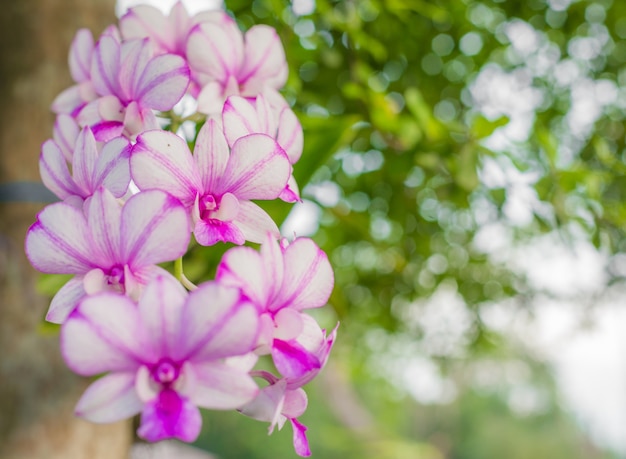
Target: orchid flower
{"x":131,"y":82}
{"x":283,"y":280}
{"x":168,"y":33}
{"x":109,"y":247}
{"x":74,"y":98}
{"x":226,"y":63}
{"x":91,"y":168}
{"x":268,"y":114}
{"x":164,"y":357}
{"x":65,"y":132}
{"x":276,"y":403}
{"x":215,"y":184}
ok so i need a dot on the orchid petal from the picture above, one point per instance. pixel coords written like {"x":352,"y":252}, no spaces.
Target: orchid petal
{"x":59,"y":241}
{"x":211,"y":232}
{"x":211,"y":154}
{"x":309,"y":277}
{"x":295,"y":404}
{"x":113,"y":167}
{"x":300,"y":442}
{"x":107,"y":130}
{"x":240,"y":119}
{"x":104,"y":334}
{"x":255,"y":223}
{"x":210,"y":98}
{"x":163,"y":82}
{"x":289,"y":135}
{"x":105,"y":67}
{"x":268,"y":404}
{"x":64,"y":133}
{"x":134,"y":57}
{"x":104,"y":215}
{"x":65,"y":300}
{"x":291,"y":192}
{"x":84,"y":161}
{"x":242,"y":267}
{"x":220,"y":387}
{"x":257,"y":168}
{"x":289,"y":324}
{"x":292,"y":360}
{"x":68,"y":101}
{"x":273,"y":266}
{"x":162,"y":160}
{"x":81,"y":51}
{"x":154,"y":228}
{"x":109,"y":399}
{"x":147,"y":21}
{"x":170,"y":416}
{"x":215,"y":50}
{"x":264,"y":61}
{"x":217,"y":323}
{"x":160,"y":308}
{"x":54,"y":172}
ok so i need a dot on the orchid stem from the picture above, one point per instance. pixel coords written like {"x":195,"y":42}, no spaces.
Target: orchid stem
{"x":178,"y":273}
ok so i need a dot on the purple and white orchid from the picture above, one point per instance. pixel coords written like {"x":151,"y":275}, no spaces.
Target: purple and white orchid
{"x":216,"y":184}
{"x":131,"y":82}
{"x":226,"y":62}
{"x":107,"y":248}
{"x":164,"y":356}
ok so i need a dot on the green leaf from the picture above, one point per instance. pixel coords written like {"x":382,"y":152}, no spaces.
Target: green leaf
{"x":482,"y":127}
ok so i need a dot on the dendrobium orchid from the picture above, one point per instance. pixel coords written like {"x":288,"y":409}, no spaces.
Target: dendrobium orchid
{"x":226,"y":62}
{"x":269,"y":114}
{"x":164,"y":356}
{"x":91,"y":169}
{"x":132,"y":193}
{"x":108,"y":247}
{"x":283,"y":280}
{"x":131,"y":82}
{"x":216,"y":184}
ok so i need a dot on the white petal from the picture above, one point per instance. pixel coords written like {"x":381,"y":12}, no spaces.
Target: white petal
{"x":65,"y":301}
{"x":104,"y":216}
{"x":242,"y":267}
{"x":154,"y":229}
{"x":105,"y":67}
{"x":113,"y":167}
{"x":257,"y":168}
{"x":163,"y":82}
{"x":81,"y":51}
{"x":215,"y":50}
{"x":240,"y":118}
{"x":220,"y":387}
{"x":54,"y":171}
{"x":211,"y":154}
{"x":255,"y":223}
{"x":109,"y":399}
{"x":104,"y":334}
{"x":264,"y":62}
{"x":84,"y":161}
{"x":162,"y":160}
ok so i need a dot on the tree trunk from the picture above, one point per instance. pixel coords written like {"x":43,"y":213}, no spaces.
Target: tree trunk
{"x":37,"y":391}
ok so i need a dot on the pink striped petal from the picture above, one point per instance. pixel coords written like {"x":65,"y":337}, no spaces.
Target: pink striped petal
{"x":105,"y":67}
{"x":59,"y":241}
{"x":268,"y":404}
{"x":68,"y":101}
{"x":84,"y":161}
{"x":211,"y":154}
{"x":104,"y":334}
{"x":81,"y":51}
{"x":163,"y":82}
{"x":292,"y":360}
{"x":107,"y":130}
{"x":104,"y":215}
{"x":54,"y":171}
{"x":240,"y":118}
{"x":257,"y":169}
{"x":162,"y":160}
{"x":215,"y":50}
{"x":274,"y":266}
{"x":210,"y":232}
{"x":109,"y":399}
{"x":134,"y":57}
{"x":264,"y":62}
{"x":170,"y":416}
{"x":242,"y":267}
{"x":65,"y":300}
{"x":309,"y":276}
{"x":300,"y":442}
{"x":295,"y":404}
{"x":154,"y":229}
{"x":290,"y":136}
{"x":113,"y":167}
{"x":217,"y":323}
{"x":220,"y":387}
{"x":211,"y":98}
{"x":64,"y":133}
{"x":147,"y":21}
{"x":254,"y":223}
{"x":291,"y":192}
{"x":160,"y":308}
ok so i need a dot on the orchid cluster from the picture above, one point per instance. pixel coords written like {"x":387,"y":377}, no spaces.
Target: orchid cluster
{"x":131,"y":194}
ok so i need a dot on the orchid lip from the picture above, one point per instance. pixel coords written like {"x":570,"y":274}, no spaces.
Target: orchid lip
{"x":165,"y":372}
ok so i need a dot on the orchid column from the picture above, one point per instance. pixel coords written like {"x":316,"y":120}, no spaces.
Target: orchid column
{"x":135,"y":189}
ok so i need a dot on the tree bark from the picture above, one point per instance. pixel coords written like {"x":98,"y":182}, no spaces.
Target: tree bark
{"x":37,"y":391}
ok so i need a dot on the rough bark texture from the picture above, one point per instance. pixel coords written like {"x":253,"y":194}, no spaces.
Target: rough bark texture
{"x":37,"y":392}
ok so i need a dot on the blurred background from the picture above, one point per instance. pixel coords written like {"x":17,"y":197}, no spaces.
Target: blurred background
{"x":464,"y":169}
